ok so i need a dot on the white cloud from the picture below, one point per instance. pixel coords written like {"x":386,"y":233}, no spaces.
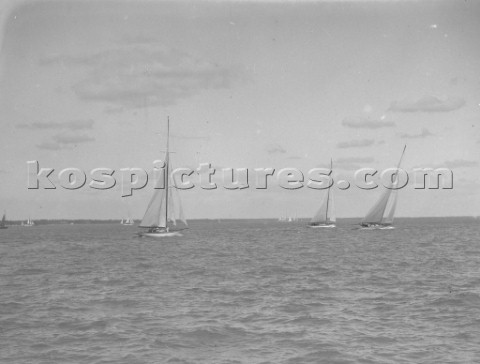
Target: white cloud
{"x":65,"y":140}
{"x":425,"y":133}
{"x":137,"y":74}
{"x":459,"y":163}
{"x":428,"y":104}
{"x":70,"y":125}
{"x":360,"y":123}
{"x":356,"y":143}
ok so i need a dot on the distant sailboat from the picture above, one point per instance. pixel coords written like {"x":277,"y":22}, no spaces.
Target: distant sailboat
{"x":28,"y":223}
{"x":288,"y":217}
{"x":325,"y":216}
{"x":160,"y":219}
{"x":3,"y":225}
{"x":381,"y":214}
{"x":128,"y":221}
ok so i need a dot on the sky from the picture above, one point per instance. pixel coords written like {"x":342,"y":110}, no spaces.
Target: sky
{"x":246,"y":85}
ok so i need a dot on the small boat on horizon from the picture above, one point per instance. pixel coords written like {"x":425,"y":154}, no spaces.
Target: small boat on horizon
{"x":28,"y":223}
{"x":128,"y":221}
{"x":288,"y":218}
{"x":159,"y":219}
{"x":3,"y":224}
{"x":381,"y":215}
{"x":325,"y":216}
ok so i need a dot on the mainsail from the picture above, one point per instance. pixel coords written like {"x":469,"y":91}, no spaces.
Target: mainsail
{"x":326,"y":212}
{"x":175,"y":217}
{"x":383,"y":211}
{"x":156,"y":214}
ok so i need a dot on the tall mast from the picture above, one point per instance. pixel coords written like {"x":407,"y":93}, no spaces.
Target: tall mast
{"x":328,"y":192}
{"x":399,"y":162}
{"x":167,"y":160}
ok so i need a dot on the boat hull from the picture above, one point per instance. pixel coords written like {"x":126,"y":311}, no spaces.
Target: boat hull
{"x":379,"y":227}
{"x":161,"y":234}
{"x":321,"y":226}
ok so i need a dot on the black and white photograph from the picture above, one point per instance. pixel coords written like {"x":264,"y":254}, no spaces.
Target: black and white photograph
{"x":239,"y":182}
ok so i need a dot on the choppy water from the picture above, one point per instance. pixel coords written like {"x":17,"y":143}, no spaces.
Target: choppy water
{"x":242,"y":292}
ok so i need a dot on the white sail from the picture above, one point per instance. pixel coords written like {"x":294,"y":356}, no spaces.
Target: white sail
{"x":390,"y":209}
{"x":331,"y":209}
{"x":171,"y":207}
{"x":29,"y":222}
{"x":175,"y":210}
{"x":383,"y":211}
{"x":375,"y":214}
{"x":326,"y":212}
{"x":177,"y":202}
{"x":155,"y":216}
{"x":321,"y":216}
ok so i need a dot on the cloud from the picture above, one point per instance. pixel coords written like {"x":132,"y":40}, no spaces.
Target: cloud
{"x":425,"y":133}
{"x":451,"y":164}
{"x":356,"y":143}
{"x":52,"y":146}
{"x":65,"y":140}
{"x":295,"y":157}
{"x":428,"y":104}
{"x":366,"y":123}
{"x":140,"y":74}
{"x":70,"y":125}
{"x":276,"y":149}
{"x":459,"y":163}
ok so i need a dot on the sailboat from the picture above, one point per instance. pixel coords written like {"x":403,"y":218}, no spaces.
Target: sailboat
{"x":28,"y":223}
{"x":3,"y":225}
{"x":160,"y":218}
{"x":325,"y":216}
{"x":128,"y":221}
{"x":381,"y":214}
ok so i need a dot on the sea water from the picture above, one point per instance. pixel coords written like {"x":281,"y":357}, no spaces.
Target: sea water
{"x":242,"y":292}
